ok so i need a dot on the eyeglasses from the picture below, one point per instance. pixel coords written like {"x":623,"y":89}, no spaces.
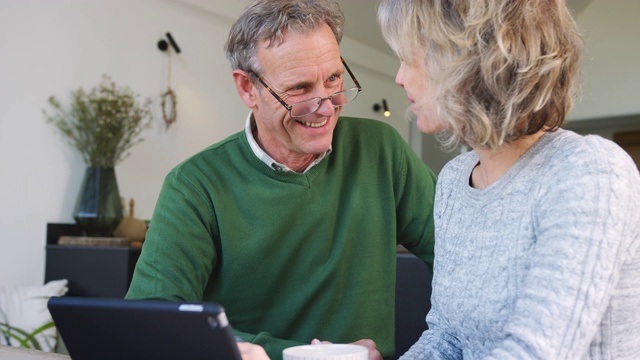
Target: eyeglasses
{"x":309,"y":106}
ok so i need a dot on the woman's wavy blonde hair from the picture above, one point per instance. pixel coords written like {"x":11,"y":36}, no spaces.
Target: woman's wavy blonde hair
{"x":505,"y":68}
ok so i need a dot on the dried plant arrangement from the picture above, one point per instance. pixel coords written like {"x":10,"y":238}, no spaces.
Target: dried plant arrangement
{"x":104,"y":123}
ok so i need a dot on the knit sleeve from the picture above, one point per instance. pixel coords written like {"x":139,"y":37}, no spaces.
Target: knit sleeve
{"x":434,"y":345}
{"x":585,"y":221}
{"x":178,"y":253}
{"x":415,"y":205}
{"x":437,"y":342}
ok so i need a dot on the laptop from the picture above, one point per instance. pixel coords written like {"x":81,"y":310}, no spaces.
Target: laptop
{"x":98,"y":328}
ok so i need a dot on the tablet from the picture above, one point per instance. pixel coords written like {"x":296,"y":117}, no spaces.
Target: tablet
{"x":98,"y":328}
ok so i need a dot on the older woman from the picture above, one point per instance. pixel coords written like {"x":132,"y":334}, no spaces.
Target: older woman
{"x":537,"y":228}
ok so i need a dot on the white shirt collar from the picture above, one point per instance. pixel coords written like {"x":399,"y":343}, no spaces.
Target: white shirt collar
{"x":265,"y":158}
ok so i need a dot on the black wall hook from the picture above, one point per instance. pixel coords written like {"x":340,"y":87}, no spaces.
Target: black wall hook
{"x":163,"y":45}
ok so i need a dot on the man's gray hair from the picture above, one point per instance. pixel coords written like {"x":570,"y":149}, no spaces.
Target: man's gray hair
{"x":270,"y":19}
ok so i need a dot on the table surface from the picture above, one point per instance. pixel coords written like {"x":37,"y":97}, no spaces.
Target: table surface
{"x":14,"y":353}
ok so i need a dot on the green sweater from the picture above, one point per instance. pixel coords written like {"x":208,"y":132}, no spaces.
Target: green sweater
{"x":290,"y":256}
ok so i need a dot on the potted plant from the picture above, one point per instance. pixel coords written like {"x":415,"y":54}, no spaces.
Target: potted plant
{"x":12,"y":335}
{"x":102,"y":124}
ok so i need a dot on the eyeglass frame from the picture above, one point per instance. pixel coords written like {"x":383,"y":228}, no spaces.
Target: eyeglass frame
{"x":289,"y":107}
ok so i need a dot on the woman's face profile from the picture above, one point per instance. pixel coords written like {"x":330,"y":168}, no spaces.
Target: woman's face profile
{"x":422,"y":93}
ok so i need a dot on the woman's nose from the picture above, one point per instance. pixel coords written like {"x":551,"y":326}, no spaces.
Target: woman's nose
{"x":400,"y":75}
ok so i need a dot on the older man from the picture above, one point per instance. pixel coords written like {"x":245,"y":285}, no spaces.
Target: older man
{"x":292,"y":224}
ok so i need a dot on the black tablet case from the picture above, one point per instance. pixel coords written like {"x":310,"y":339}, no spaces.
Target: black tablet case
{"x":97,"y":328}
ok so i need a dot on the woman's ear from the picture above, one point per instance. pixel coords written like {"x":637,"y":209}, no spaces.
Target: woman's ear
{"x":245,"y":87}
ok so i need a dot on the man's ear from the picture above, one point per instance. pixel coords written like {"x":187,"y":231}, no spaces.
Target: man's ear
{"x":245,"y":87}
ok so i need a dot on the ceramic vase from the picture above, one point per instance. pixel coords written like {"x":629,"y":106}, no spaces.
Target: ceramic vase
{"x":98,"y":209}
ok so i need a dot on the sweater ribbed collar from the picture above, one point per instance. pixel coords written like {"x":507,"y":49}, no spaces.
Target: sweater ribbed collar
{"x":264,"y":157}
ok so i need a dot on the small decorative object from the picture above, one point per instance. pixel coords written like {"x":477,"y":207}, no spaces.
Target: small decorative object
{"x":131,"y":227}
{"x":168,"y":99}
{"x":103,"y":125}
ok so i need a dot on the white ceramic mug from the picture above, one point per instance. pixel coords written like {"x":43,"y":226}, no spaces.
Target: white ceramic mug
{"x":326,"y":352}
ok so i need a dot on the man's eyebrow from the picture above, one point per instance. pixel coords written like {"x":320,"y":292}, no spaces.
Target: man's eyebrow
{"x":339,"y":72}
{"x":307,"y":83}
{"x":302,"y":83}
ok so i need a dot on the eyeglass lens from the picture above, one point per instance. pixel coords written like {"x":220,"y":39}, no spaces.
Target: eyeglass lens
{"x":337,"y":99}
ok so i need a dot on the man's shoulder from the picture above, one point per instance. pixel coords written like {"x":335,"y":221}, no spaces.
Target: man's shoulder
{"x":358,"y":122}
{"x":214,"y":153}
{"x":366,"y":129}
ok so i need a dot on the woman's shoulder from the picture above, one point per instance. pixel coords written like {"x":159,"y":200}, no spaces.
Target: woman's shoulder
{"x":570,"y":163}
{"x":591,"y":152}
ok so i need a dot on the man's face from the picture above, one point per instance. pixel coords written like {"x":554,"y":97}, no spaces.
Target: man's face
{"x":302,"y":67}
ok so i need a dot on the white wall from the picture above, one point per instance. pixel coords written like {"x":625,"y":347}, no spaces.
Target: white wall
{"x":610,"y":71}
{"x":51,"y":47}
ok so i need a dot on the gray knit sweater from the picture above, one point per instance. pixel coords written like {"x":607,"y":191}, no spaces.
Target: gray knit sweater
{"x":542,"y":264}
